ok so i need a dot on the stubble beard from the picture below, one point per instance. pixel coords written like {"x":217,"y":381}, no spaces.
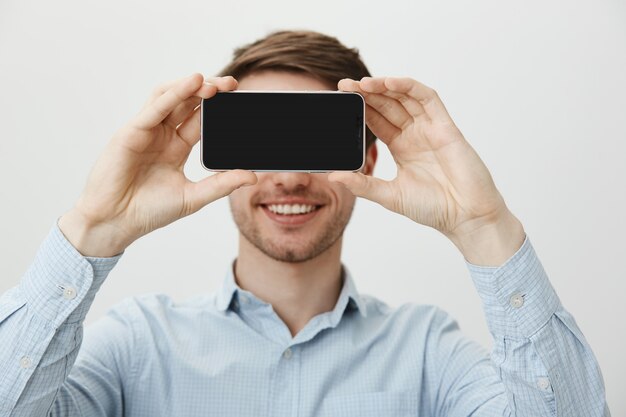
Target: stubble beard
{"x":284,"y":252}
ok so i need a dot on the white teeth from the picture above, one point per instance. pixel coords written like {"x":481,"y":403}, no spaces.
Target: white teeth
{"x":291,"y":208}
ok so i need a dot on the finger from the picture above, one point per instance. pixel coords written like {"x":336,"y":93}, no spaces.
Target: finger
{"x":373,"y":84}
{"x":348,"y":84}
{"x":380,"y":126}
{"x":189,"y":130}
{"x":154,"y":113}
{"x":226,"y":83}
{"x":366,"y":186}
{"x":426,"y":96}
{"x":391,"y":109}
{"x":182,"y":112}
{"x":162,"y":88}
{"x":222,"y":84}
{"x":377,"y":85}
{"x":199,"y":194}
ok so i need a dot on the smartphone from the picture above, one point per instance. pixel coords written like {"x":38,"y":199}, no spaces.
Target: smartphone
{"x":310,"y":131}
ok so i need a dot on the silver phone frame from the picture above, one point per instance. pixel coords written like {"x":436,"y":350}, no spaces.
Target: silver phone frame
{"x":281,"y":91}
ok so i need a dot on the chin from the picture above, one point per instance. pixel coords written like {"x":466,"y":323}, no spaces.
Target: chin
{"x":293,"y":257}
{"x":289,"y":253}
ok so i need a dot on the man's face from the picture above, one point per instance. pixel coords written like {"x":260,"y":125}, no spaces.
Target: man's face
{"x":291,"y":217}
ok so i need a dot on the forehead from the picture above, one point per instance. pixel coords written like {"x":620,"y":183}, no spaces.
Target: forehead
{"x":282,"y":80}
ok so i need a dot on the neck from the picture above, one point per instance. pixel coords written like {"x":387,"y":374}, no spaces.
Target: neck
{"x":297,"y":291}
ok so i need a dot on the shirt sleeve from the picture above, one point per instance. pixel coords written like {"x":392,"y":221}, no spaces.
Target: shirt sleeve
{"x":41,"y":324}
{"x":540,"y":354}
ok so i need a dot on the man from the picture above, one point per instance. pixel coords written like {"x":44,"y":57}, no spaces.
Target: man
{"x":288,"y":334}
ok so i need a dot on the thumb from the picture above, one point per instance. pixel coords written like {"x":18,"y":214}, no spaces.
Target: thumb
{"x":366,"y":186}
{"x":199,"y":194}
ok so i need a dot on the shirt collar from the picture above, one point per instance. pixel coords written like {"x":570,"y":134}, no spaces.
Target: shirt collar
{"x":348,"y":295}
{"x":227,"y":291}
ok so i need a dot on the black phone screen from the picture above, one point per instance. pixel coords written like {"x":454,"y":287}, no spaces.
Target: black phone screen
{"x":283,"y":131}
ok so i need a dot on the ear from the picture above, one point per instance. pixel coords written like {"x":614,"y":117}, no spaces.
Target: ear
{"x":370,"y":159}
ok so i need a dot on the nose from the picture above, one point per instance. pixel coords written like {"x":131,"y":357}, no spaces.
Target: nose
{"x":291,"y":180}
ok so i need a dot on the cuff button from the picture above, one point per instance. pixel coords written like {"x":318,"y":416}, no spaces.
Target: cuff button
{"x":516,"y":300}
{"x":543,"y":384}
{"x":25,"y":362}
{"x":69,"y":293}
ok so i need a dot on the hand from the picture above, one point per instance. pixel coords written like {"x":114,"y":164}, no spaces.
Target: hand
{"x":441,"y":182}
{"x":138,"y":184}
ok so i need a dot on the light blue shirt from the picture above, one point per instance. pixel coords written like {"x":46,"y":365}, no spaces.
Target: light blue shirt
{"x":229,"y":354}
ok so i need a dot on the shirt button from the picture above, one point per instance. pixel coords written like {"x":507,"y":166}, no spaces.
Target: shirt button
{"x":25,"y":362}
{"x":516,"y":300}
{"x":288,"y":353}
{"x":543,"y":383}
{"x":69,"y":293}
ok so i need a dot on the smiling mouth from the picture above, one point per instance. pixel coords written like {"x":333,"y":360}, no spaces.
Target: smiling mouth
{"x":291,"y":209}
{"x":291,"y":214}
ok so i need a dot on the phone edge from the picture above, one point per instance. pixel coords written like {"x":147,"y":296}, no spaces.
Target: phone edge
{"x":364,"y":130}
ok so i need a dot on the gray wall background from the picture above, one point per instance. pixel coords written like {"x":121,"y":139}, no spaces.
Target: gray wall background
{"x":537,"y":87}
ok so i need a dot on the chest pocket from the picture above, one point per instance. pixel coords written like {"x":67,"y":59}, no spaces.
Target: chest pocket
{"x":374,"y":404}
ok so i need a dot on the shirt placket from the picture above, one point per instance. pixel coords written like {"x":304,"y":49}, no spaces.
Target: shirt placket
{"x":285,"y":389}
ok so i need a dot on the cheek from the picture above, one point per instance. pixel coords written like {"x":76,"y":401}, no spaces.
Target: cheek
{"x":345,"y":199}
{"x":238,"y":200}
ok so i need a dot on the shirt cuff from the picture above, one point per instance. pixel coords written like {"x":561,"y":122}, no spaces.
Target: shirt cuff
{"x":517,"y":296}
{"x":61,"y":284}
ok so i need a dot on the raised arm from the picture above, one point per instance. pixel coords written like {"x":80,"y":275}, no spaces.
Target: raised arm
{"x":441,"y":182}
{"x":136,"y":186}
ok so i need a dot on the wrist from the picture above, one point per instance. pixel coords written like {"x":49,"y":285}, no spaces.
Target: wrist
{"x":491,"y":242}
{"x":101,"y":240}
